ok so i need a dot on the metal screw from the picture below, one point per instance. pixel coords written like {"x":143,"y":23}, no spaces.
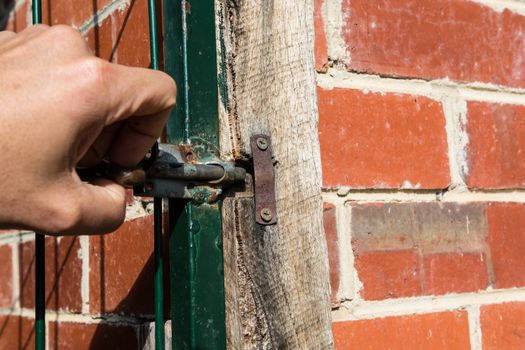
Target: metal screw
{"x":266,"y":214}
{"x":262,"y":143}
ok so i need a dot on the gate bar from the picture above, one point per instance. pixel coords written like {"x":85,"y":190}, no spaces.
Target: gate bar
{"x":159,"y":265}
{"x":40,"y":292}
{"x":40,"y":254}
{"x":195,"y":250}
{"x":157,"y":202}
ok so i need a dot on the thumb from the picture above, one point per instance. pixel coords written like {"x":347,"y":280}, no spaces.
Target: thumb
{"x":102,"y":208}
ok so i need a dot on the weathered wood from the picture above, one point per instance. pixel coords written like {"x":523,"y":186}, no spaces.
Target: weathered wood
{"x":276,"y":277}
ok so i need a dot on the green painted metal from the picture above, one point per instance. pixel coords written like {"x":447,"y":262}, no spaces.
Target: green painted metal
{"x":40,"y":292}
{"x":159,"y":276}
{"x":196,"y":261}
{"x":36,"y":7}
{"x":197,"y":287}
{"x":157,"y":202}
{"x":40,"y":257}
{"x":153,"y":37}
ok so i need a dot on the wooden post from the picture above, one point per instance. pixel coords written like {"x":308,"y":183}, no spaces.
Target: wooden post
{"x":276,"y":277}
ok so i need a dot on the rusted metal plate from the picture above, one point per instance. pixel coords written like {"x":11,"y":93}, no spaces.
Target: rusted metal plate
{"x":265,"y":207}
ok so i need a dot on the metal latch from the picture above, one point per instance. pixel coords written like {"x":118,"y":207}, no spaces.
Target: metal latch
{"x":170,"y":171}
{"x":170,"y":175}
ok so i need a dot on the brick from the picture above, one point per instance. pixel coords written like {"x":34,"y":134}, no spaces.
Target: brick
{"x":132,"y":37}
{"x":16,"y":332}
{"x":373,"y":140}
{"x":123,"y":37}
{"x":389,"y":274}
{"x":71,"y":13}
{"x":496,"y":142}
{"x":18,"y":20}
{"x":429,"y":227}
{"x":462,"y":40}
{"x":445,"y":330}
{"x":507,"y":243}
{"x":6,"y":277}
{"x":63,"y":274}
{"x":330,"y":229}
{"x":457,"y":273}
{"x":321,"y":47}
{"x":65,"y":336}
{"x":100,"y":39}
{"x":121,"y":265}
{"x":503,"y":326}
{"x":409,"y":249}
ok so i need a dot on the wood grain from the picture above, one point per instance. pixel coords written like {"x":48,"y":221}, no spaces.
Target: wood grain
{"x":276,"y":277}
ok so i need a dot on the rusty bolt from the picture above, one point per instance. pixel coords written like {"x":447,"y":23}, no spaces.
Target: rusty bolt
{"x":189,"y":157}
{"x":262,"y":143}
{"x":266,"y":214}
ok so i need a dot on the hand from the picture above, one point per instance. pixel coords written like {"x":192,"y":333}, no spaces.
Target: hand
{"x":61,"y":107}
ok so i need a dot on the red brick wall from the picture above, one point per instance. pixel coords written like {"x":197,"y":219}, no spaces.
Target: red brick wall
{"x":99,"y":289}
{"x":422,"y":112}
{"x":422,"y":130}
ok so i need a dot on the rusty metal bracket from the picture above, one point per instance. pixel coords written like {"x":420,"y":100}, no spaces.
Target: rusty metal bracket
{"x":264,"y":177}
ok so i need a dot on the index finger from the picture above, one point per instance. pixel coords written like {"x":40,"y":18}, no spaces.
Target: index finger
{"x":135,"y":138}
{"x":139,"y":91}
{"x":143,"y":99}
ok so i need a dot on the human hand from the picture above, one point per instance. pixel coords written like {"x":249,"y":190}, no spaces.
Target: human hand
{"x":61,"y":107}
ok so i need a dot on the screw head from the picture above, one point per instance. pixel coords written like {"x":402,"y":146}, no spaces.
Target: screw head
{"x":266,"y":214}
{"x":262,"y":143}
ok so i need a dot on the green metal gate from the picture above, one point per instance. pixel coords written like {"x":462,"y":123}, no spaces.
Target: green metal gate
{"x":196,"y":261}
{"x":196,"y":267}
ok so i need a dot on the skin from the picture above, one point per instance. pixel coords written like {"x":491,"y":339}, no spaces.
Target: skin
{"x":63,"y":108}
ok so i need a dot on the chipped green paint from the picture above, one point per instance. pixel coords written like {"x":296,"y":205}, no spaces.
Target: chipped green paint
{"x":196,"y":262}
